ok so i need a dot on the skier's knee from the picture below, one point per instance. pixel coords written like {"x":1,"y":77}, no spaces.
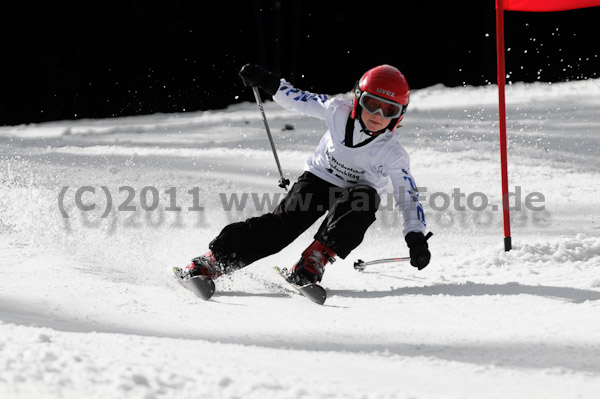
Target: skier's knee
{"x":364,"y":199}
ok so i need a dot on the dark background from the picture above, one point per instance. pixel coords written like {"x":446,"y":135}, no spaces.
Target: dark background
{"x":93,"y":59}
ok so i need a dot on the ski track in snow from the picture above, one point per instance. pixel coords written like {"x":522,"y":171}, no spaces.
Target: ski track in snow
{"x":88,"y":309}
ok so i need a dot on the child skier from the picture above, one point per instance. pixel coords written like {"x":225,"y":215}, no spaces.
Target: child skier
{"x":352,"y":164}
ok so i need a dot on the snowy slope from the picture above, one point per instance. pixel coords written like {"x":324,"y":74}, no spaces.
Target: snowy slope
{"x":88,"y":309}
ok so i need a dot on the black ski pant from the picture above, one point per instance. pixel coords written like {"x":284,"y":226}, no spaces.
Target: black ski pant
{"x":350,"y":212}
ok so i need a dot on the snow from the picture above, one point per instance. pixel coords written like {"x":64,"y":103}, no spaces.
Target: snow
{"x":88,"y":309}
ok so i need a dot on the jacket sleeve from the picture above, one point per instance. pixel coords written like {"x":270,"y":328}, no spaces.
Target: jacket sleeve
{"x":300,"y":101}
{"x":406,"y":196}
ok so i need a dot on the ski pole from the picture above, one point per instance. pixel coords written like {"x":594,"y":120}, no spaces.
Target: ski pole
{"x":283,"y":182}
{"x":361,"y":265}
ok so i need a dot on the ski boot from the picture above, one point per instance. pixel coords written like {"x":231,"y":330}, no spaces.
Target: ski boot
{"x":204,"y":265}
{"x":311,"y":266}
{"x":198,"y":276}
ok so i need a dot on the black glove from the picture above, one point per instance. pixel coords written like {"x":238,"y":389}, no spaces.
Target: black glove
{"x":419,"y":254}
{"x":253,"y":75}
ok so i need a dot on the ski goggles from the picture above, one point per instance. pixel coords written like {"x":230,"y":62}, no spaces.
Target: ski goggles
{"x":386,"y":108}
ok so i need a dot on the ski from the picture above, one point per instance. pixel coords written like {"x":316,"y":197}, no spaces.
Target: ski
{"x":202,"y":286}
{"x":314,"y":292}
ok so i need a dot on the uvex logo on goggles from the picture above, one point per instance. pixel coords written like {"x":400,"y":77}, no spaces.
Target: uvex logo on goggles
{"x":386,"y":108}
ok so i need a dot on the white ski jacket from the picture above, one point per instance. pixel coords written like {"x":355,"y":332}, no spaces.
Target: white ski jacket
{"x":372,"y":163}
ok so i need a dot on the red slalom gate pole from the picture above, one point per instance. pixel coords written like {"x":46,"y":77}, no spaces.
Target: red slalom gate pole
{"x":502,"y":119}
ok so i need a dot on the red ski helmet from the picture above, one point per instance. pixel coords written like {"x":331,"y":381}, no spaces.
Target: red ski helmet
{"x":386,"y":82}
